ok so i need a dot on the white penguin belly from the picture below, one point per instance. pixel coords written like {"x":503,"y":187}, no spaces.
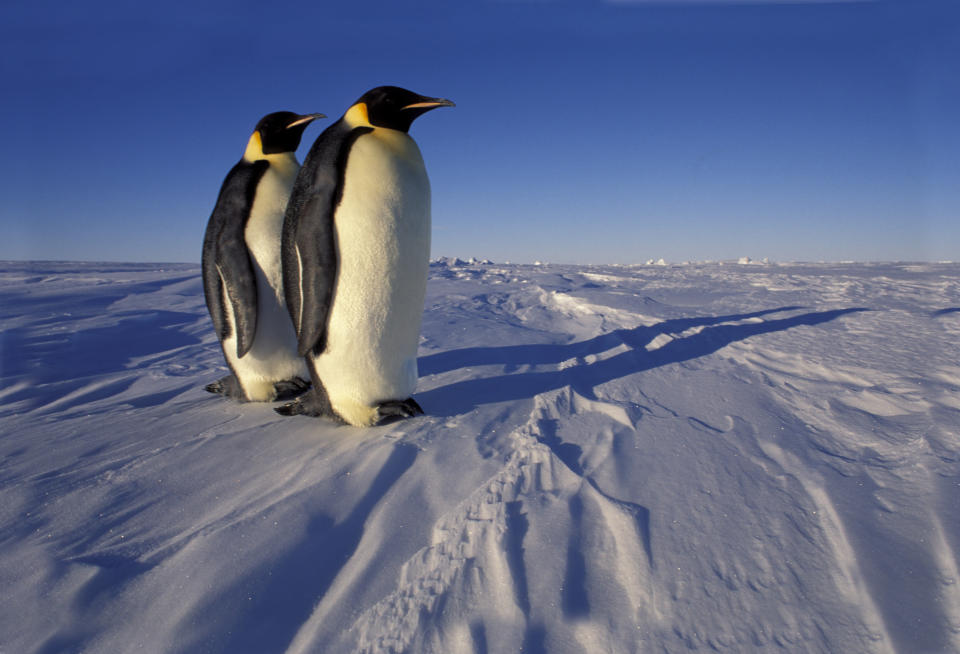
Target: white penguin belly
{"x":382,"y":228}
{"x":273,"y":355}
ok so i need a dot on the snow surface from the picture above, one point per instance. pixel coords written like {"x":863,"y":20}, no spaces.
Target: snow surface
{"x":704,"y":457}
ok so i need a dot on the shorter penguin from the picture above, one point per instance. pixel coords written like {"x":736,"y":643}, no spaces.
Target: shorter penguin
{"x":356,"y":249}
{"x":242,"y":276}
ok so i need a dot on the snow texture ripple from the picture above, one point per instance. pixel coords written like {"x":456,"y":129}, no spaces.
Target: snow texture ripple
{"x":704,"y":457}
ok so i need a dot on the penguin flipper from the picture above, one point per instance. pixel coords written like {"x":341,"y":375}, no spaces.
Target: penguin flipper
{"x":309,"y":247}
{"x":226,"y":263}
{"x":316,"y":272}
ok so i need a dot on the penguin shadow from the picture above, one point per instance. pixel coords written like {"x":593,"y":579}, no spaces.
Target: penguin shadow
{"x":944,"y":312}
{"x":464,"y":396}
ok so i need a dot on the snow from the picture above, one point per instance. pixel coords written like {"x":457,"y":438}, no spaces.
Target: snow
{"x":704,"y":457}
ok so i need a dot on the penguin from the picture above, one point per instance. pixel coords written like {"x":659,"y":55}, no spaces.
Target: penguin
{"x":242,"y":276}
{"x":356,"y":249}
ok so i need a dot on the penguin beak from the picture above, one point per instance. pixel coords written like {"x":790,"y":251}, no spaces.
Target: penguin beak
{"x":305,"y":119}
{"x":431,"y":103}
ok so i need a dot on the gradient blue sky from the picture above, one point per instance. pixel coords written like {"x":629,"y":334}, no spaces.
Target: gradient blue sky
{"x":586,"y":132}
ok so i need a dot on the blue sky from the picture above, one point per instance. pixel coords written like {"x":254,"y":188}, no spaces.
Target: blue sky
{"x":585,"y":132}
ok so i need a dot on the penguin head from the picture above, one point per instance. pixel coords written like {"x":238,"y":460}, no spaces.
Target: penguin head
{"x":281,"y":131}
{"x":393,"y":107}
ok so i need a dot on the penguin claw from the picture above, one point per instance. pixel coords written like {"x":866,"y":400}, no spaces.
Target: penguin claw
{"x":290,"y":388}
{"x":311,"y":403}
{"x":228,"y":386}
{"x":294,"y":408}
{"x":397,"y":409}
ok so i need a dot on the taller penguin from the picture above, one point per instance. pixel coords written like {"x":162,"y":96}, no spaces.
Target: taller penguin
{"x":242,"y":277}
{"x":356,"y":249}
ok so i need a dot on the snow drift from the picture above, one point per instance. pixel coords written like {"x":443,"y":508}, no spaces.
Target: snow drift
{"x":615,"y":459}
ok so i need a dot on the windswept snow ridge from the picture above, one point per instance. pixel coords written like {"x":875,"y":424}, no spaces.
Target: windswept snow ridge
{"x":707,"y":457}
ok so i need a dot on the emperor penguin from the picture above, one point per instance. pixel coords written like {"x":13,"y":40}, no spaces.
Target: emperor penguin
{"x":242,"y":276}
{"x":356,"y":250}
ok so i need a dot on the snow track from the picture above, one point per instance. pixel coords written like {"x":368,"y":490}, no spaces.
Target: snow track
{"x":618,"y":459}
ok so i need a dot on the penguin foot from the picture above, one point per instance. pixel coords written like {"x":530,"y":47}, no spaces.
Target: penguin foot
{"x":397,"y":409}
{"x":312,"y":403}
{"x":290,"y":388}
{"x":294,"y":408}
{"x":228,"y":386}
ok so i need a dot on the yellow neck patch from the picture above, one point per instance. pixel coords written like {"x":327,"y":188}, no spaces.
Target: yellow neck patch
{"x":358,"y":115}
{"x":254,"y":149}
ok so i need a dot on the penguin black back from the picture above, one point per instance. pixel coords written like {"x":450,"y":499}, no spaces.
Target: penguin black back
{"x":309,"y":272}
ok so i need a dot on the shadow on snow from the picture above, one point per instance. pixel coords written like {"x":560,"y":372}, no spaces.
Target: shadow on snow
{"x":464,"y":396}
{"x":97,"y":350}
